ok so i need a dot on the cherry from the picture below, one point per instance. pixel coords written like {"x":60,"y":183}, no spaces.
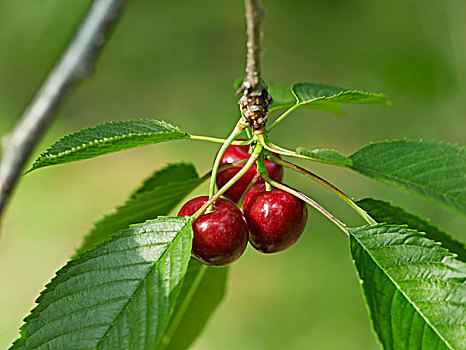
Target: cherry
{"x":276,"y":219}
{"x":237,"y":153}
{"x":221,"y":235}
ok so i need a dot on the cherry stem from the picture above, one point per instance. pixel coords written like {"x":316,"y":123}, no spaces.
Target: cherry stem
{"x":223,"y":168}
{"x":283,"y":116}
{"x":252,"y":159}
{"x":252,"y":183}
{"x":249,"y":133}
{"x":236,"y":131}
{"x":309,"y":201}
{"x":262,"y":170}
{"x":326,"y":184}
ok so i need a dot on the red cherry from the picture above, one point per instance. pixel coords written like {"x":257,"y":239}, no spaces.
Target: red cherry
{"x":276,"y":219}
{"x":221,"y":235}
{"x":238,"y":153}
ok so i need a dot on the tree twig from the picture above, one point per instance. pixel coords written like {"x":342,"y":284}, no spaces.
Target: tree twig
{"x":254,"y":16}
{"x":75,"y":63}
{"x":256,"y":99}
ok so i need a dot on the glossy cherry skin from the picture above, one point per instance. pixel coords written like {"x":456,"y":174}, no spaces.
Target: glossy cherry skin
{"x":276,"y":219}
{"x":220,"y":236}
{"x":238,"y":153}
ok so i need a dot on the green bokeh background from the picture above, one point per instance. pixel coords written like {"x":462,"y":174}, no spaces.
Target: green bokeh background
{"x":176,"y":61}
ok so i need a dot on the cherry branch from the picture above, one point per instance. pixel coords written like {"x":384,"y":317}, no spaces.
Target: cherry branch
{"x":75,"y":63}
{"x":256,"y":99}
{"x":255,"y":13}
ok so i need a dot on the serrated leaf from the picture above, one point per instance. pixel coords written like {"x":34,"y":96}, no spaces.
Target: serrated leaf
{"x":434,"y":170}
{"x":159,"y":194}
{"x":310,"y":93}
{"x":203,"y":290}
{"x":328,"y":156}
{"x":386,"y":212}
{"x":108,"y":138}
{"x":284,"y":98}
{"x":415,"y":289}
{"x":119,"y":295}
{"x":203,"y":287}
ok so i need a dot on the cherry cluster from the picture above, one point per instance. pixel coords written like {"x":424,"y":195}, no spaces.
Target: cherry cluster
{"x":272,"y":220}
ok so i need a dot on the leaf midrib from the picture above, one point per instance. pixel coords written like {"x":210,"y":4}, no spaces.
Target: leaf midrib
{"x":107,"y":140}
{"x":408,"y":182}
{"x":339,"y":94}
{"x":403,"y":293}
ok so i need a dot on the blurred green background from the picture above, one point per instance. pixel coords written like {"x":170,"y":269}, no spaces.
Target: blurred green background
{"x":176,"y":61}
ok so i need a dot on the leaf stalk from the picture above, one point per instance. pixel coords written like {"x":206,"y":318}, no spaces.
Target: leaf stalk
{"x":326,"y":184}
{"x":218,"y":140}
{"x":283,"y":116}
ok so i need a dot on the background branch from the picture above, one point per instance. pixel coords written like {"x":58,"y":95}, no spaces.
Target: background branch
{"x":75,"y":63}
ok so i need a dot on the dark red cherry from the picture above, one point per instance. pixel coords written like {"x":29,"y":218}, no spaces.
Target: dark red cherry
{"x":276,"y":219}
{"x":238,"y":153}
{"x":220,"y":236}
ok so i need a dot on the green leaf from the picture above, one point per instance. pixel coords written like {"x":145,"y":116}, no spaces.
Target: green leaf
{"x":415,"y":289}
{"x":203,"y":287}
{"x":176,"y":172}
{"x":385,"y":212}
{"x":119,"y":295}
{"x":203,"y":290}
{"x":283,"y":98}
{"x":108,"y":138}
{"x":157,"y":196}
{"x":309,"y":93}
{"x":434,"y":170}
{"x":328,"y":156}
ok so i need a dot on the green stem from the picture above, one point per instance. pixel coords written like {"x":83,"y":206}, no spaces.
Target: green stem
{"x":218,"y":140}
{"x":249,"y":133}
{"x":283,"y":116}
{"x":223,"y":168}
{"x":289,"y":153}
{"x":262,"y":170}
{"x":309,"y":201}
{"x":326,"y":184}
{"x":252,"y":183}
{"x":281,"y":149}
{"x":254,"y":156}
{"x":274,"y":149}
{"x":236,"y":131}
